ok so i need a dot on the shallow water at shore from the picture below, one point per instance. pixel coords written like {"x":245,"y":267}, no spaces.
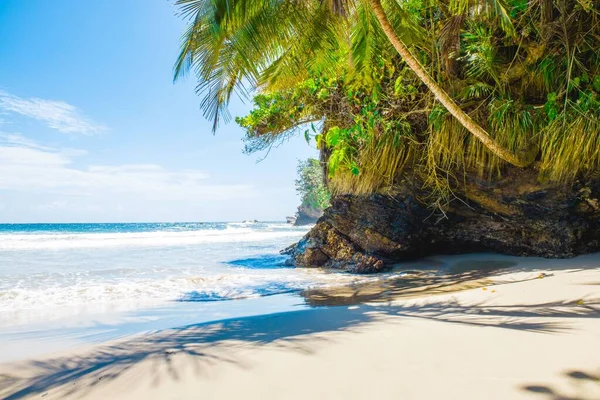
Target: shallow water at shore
{"x":85,"y":268}
{"x":67,"y":286}
{"x":523,"y":332}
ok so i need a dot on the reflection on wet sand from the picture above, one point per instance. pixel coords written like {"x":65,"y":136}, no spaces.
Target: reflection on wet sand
{"x":462,"y":275}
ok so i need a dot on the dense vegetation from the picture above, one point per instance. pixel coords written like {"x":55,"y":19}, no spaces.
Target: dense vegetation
{"x":311,"y":185}
{"x":525,"y":72}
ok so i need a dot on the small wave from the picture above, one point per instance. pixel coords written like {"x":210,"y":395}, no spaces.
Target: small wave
{"x":269,"y":290}
{"x":262,"y":262}
{"x":138,"y":290}
{"x":159,"y":238}
{"x":227,"y":286}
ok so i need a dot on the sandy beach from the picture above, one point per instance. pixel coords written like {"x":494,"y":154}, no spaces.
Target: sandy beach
{"x":519,"y":335}
{"x":299,"y":200}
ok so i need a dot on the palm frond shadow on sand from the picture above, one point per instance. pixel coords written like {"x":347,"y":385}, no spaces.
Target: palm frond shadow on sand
{"x":299,"y":331}
{"x":580,"y":382}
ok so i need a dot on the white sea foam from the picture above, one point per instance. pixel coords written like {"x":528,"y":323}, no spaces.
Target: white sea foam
{"x":44,"y":269}
{"x":82,"y":290}
{"x":159,"y":238}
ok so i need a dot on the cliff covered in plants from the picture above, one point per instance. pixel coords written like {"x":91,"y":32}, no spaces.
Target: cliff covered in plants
{"x":444,"y":126}
{"x":312,"y":188}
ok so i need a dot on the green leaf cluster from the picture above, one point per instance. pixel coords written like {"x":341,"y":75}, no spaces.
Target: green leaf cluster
{"x":311,"y":185}
{"x":526,"y":71}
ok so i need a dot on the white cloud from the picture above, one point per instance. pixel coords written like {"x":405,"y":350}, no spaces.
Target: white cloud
{"x":26,"y":166}
{"x":56,"y":114}
{"x":55,"y":205}
{"x":13,"y":139}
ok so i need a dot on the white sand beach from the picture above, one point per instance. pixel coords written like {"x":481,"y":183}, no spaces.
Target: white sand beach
{"x":299,"y":200}
{"x":522,"y":335}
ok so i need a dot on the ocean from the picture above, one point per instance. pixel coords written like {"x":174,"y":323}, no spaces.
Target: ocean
{"x":101,"y":281}
{"x":57,"y":265}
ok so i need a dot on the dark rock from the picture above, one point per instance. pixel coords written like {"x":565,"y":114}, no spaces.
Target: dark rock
{"x":307,"y":215}
{"x":515,"y":216}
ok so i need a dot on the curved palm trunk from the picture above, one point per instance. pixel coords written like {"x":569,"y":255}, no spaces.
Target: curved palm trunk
{"x":520,"y":160}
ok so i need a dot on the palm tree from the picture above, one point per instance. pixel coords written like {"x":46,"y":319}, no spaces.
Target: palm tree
{"x":239,"y":45}
{"x":519,"y":160}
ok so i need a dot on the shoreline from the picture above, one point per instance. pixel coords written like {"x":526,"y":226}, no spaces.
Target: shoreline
{"x":73,"y":331}
{"x":515,"y":335}
{"x":34,"y":333}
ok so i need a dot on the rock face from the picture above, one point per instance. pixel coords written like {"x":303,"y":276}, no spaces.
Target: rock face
{"x":515,"y":216}
{"x":307,"y":215}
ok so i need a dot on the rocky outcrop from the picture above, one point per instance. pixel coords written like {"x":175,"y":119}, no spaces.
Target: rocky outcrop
{"x":307,"y":215}
{"x":515,"y":216}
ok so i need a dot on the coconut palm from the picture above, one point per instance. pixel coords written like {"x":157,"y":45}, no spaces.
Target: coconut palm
{"x":238,"y":45}
{"x":274,"y":44}
{"x":520,"y":160}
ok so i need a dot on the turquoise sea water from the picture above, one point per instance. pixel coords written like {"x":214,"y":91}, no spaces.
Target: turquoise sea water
{"x":62,"y":285}
{"x":81,"y":278}
{"x":57,"y":265}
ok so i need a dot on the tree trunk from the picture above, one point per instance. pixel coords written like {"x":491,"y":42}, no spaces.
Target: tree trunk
{"x":519,"y":160}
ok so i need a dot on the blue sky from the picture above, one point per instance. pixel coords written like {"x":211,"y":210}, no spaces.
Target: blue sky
{"x":92,"y":129}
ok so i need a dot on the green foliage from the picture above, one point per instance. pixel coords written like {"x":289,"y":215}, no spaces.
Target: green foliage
{"x":527,"y":71}
{"x":310,"y":184}
{"x":280,"y":114}
{"x":551,"y":107}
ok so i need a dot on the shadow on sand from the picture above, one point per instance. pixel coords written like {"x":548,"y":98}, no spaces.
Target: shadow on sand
{"x":445,"y":274}
{"x":211,"y":343}
{"x":580,"y":383}
{"x":302,"y":331}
